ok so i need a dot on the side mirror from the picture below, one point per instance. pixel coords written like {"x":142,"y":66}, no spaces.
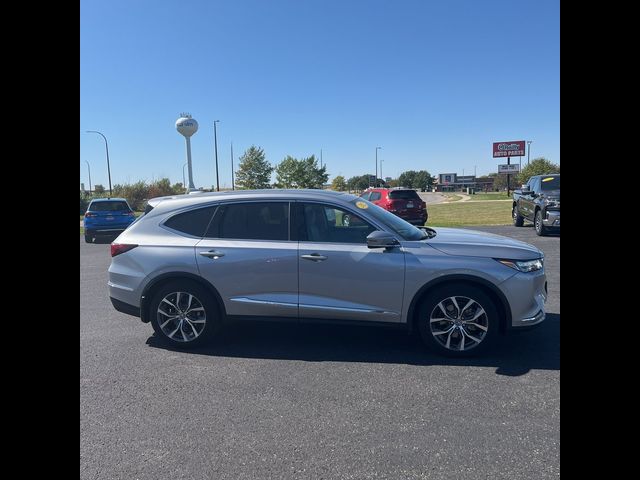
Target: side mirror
{"x":517,"y":191}
{"x":380,"y":239}
{"x":526,"y":192}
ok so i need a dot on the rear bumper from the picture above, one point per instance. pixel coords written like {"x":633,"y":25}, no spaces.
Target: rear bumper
{"x":110,"y":230}
{"x":123,"y":307}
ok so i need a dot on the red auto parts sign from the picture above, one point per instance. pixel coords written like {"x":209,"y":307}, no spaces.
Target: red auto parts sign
{"x":508,"y":149}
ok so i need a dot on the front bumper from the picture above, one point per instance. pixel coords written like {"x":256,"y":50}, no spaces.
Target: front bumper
{"x":551,"y":218}
{"x":526,"y":294}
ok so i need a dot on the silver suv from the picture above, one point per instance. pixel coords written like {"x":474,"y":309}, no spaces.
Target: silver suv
{"x":194,"y":261}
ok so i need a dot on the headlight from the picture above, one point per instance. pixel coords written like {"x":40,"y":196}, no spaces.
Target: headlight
{"x":523,"y":266}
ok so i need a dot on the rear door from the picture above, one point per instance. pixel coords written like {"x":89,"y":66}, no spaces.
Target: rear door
{"x":340,"y":277}
{"x":248,"y":256}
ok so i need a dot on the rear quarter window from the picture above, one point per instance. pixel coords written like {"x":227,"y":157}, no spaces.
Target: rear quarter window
{"x":193,"y":222}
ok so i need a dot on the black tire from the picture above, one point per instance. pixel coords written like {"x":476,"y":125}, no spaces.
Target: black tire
{"x":88,"y":238}
{"x":192,"y":335}
{"x":518,"y":220}
{"x":430,"y":308}
{"x":541,"y":230}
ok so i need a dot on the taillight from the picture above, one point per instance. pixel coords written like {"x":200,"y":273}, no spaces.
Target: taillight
{"x":118,"y":248}
{"x":89,"y":215}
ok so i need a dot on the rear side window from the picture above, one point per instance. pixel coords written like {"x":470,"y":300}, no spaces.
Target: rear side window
{"x":251,"y":221}
{"x":194,"y":222}
{"x":374,"y":196}
{"x":403,"y":195}
{"x":109,"y":206}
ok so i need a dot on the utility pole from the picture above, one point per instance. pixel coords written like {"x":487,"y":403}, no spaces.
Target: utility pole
{"x":232,"y":184}
{"x":215,"y":140}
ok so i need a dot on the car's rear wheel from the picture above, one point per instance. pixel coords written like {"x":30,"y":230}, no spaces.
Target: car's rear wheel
{"x":518,"y":220}
{"x":88,"y":238}
{"x":540,"y":228}
{"x":184,"y":314}
{"x":458,"y":320}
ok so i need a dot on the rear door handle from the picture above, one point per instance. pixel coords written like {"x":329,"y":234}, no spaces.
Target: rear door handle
{"x":314,"y":257}
{"x":214,"y":254}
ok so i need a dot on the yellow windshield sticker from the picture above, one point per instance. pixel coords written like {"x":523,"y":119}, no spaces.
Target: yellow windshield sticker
{"x":548,"y":179}
{"x":361,"y":205}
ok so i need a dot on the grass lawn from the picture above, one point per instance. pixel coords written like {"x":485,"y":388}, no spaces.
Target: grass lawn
{"x":490,"y":196}
{"x":469,"y":213}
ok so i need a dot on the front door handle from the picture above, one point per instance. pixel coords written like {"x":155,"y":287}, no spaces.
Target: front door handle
{"x":214,"y":254}
{"x":314,"y":257}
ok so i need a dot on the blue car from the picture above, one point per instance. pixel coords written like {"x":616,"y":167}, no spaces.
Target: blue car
{"x":107,"y":216}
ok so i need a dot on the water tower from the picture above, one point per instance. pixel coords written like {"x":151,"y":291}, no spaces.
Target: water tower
{"x":187,"y":126}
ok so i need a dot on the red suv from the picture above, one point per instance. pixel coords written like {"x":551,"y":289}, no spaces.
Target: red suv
{"x":403,"y":202}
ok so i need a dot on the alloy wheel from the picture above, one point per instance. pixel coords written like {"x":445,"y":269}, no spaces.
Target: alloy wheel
{"x":458,"y":323}
{"x":181,"y":316}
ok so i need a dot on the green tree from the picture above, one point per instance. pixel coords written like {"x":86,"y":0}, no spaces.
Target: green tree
{"x":160,"y":188}
{"x":339,"y":184}
{"x":393,"y":183}
{"x":407,"y":179}
{"x":254,"y":170}
{"x":304,"y":173}
{"x":178,"y":188}
{"x":538,"y":166}
{"x":98,"y":189}
{"x":289,"y":173}
{"x":358,"y":182}
{"x":500,"y":181}
{"x":422,"y":180}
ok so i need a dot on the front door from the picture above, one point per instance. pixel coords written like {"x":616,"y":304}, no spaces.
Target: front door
{"x":340,"y":277}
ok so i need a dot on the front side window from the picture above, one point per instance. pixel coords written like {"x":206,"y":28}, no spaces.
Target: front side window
{"x":251,"y":221}
{"x":365,"y":195}
{"x":329,"y":224}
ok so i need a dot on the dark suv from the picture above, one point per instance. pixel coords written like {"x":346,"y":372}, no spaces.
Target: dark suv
{"x":403,"y":202}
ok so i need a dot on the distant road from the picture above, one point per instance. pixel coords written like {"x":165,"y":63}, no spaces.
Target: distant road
{"x":431,"y":197}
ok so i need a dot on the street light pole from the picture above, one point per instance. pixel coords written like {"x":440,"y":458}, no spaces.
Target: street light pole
{"x":376,"y":180}
{"x":381,"y":160}
{"x":89,"y":167}
{"x":528,"y":150}
{"x":106,"y":145}
{"x":232,"y":184}
{"x":183,"y":178}
{"x":215,"y":140}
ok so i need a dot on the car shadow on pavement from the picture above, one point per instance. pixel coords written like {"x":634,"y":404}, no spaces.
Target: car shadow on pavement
{"x":550,"y":233}
{"x":513,"y":355}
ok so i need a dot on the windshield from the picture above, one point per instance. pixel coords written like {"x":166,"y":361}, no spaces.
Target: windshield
{"x":396,"y":224}
{"x":550,"y":183}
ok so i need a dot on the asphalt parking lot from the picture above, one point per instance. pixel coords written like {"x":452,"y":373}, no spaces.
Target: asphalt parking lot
{"x":309,"y":401}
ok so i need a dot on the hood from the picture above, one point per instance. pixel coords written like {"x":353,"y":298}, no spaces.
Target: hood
{"x":473,"y":243}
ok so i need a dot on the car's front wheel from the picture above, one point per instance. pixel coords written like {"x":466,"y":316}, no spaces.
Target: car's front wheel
{"x":458,"y":320}
{"x":184,"y":314}
{"x":540,"y":228}
{"x":88,"y":238}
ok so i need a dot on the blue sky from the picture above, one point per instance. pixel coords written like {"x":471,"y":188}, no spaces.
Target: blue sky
{"x":433,"y":83}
